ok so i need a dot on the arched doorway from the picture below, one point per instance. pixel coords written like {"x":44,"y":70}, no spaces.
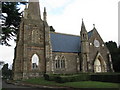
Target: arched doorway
{"x":35,"y":62}
{"x":99,"y":64}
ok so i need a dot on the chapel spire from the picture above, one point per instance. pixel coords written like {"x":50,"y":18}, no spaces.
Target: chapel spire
{"x":83,"y":32}
{"x":83,"y":26}
{"x":84,"y":48}
{"x":34,"y":9}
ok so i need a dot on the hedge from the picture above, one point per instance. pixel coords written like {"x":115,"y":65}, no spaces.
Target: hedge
{"x":106,"y":78}
{"x":67,"y":78}
{"x":74,"y":78}
{"x":50,"y":77}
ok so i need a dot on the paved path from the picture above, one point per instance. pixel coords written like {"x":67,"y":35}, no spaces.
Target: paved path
{"x":5,"y":85}
{"x":16,"y":87}
{"x":33,"y":87}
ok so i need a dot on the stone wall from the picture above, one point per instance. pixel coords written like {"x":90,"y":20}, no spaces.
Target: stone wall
{"x":102,"y":50}
{"x":71,"y":63}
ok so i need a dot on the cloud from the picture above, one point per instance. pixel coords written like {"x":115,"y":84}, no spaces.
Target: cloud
{"x":101,"y":13}
{"x":56,"y":6}
{"x":56,"y":3}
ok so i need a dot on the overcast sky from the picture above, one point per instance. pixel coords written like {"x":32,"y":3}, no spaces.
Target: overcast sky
{"x":66,"y":16}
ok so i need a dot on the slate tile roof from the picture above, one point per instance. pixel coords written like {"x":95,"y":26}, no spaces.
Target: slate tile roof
{"x":66,"y":43}
{"x":90,"y":33}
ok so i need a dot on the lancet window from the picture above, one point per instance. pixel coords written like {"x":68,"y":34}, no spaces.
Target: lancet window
{"x":60,"y":62}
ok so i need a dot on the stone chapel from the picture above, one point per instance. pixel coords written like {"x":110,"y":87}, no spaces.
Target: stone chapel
{"x":39,"y":50}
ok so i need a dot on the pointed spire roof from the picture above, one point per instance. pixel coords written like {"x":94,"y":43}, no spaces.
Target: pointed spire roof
{"x":83,"y":23}
{"x":83,"y":26}
{"x":34,"y":9}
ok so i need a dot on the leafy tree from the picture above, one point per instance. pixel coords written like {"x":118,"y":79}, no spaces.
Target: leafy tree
{"x":11,"y":21}
{"x":115,"y":53}
{"x":6,"y":72}
{"x":112,"y":46}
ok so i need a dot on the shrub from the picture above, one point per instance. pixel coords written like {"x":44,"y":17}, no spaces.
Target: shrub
{"x":50,"y":77}
{"x":73,"y":78}
{"x":67,"y":78}
{"x":46,"y":76}
{"x":114,"y":78}
{"x":104,"y":77}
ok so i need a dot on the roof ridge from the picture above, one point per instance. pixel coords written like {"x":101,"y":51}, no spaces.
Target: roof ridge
{"x":90,"y":31}
{"x":65,"y":34}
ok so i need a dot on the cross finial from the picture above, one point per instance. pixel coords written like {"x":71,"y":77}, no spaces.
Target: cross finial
{"x":82,"y":19}
{"x":93,"y":25}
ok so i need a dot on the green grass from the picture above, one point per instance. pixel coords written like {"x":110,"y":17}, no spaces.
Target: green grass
{"x":91,"y":84}
{"x":41,"y":81}
{"x":81,"y":84}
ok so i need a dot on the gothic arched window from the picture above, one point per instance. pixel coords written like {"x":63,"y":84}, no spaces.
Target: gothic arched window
{"x":35,"y":61}
{"x":83,"y":35}
{"x":62,"y":62}
{"x":59,"y":62}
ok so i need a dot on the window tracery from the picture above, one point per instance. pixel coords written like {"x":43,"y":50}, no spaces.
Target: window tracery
{"x":59,"y":62}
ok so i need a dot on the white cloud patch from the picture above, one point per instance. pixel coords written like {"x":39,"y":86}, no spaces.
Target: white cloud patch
{"x":56,"y":3}
{"x":56,"y":6}
{"x":102,"y":13}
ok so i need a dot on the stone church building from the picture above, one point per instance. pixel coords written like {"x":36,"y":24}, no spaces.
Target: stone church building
{"x":39,"y":50}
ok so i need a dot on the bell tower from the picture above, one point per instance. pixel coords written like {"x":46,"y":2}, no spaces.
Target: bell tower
{"x":29,"y":58}
{"x":84,"y":48}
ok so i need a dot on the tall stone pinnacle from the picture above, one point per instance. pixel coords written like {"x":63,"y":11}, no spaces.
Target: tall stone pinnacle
{"x":34,"y":9}
{"x":45,"y":14}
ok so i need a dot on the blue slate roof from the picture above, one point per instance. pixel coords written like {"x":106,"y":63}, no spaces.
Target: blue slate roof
{"x":65,"y":43}
{"x":90,"y":33}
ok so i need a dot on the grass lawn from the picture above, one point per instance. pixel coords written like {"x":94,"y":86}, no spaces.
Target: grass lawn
{"x":91,"y":84}
{"x":41,"y":81}
{"x":81,"y":84}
